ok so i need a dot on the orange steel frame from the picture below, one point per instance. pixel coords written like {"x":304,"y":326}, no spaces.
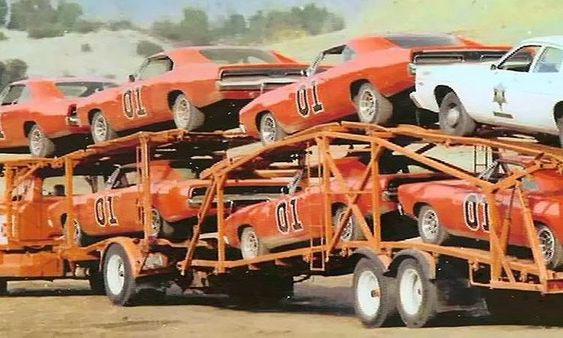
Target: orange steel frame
{"x":506,"y":272}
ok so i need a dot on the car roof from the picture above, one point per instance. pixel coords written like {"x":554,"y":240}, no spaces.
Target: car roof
{"x":546,"y":40}
{"x":385,"y":40}
{"x":193,"y":53}
{"x":61,"y":80}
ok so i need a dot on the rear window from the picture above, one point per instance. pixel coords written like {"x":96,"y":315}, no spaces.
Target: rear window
{"x":82,"y":89}
{"x":412,"y":41}
{"x":234,"y":56}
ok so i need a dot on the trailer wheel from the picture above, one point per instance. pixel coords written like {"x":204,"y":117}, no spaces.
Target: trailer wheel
{"x":100,"y":128}
{"x":39,"y":144}
{"x":186,"y":115}
{"x":374,"y":293}
{"x":430,"y":228}
{"x":270,"y":129}
{"x":372,"y":107}
{"x":351,"y":231}
{"x":417,"y":294}
{"x":550,"y":247}
{"x":453,"y":118}
{"x":250,"y":244}
{"x":118,"y":276}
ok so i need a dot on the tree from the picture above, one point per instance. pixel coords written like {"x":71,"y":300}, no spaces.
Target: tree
{"x":67,"y":14}
{"x":3,"y":12}
{"x":195,"y":26}
{"x":235,"y":25}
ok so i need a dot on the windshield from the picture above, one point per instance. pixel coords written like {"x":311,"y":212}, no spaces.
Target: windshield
{"x":234,"y":56}
{"x":82,"y":89}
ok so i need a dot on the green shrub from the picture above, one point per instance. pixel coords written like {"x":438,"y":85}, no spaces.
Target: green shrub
{"x":85,"y":48}
{"x":120,"y":25}
{"x":45,"y":30}
{"x":87,"y":26}
{"x":147,"y":48}
{"x":3,"y":36}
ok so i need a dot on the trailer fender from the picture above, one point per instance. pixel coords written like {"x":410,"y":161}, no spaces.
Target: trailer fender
{"x":426,"y":261}
{"x":133,"y":250}
{"x":383,"y":260}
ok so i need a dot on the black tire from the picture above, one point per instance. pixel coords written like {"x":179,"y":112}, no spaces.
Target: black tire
{"x":100,"y":129}
{"x":80,"y":237}
{"x":417,"y":299}
{"x":352,"y":230}
{"x":250,"y":244}
{"x":430,"y":229}
{"x":372,"y":107}
{"x":39,"y":144}
{"x":550,"y":246}
{"x":270,"y":129}
{"x":120,"y":285}
{"x":453,"y":117}
{"x":97,"y":284}
{"x":3,"y":287}
{"x":260,"y":289}
{"x":373,"y":312}
{"x":186,"y":115}
{"x":560,"y":126}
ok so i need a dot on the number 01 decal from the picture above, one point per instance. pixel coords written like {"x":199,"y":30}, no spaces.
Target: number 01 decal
{"x":133,"y":103}
{"x":283,"y":217}
{"x":301,"y":97}
{"x":476,"y":212}
{"x":104,"y":212}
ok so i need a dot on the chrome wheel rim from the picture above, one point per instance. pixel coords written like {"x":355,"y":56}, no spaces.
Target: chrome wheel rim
{"x":36,"y":141}
{"x":77,"y":233}
{"x":115,"y":274}
{"x":411,"y":291}
{"x":156,"y":224}
{"x":430,"y":225}
{"x":368,"y":106}
{"x":268,"y":129}
{"x":347,"y":231}
{"x":250,"y":245}
{"x":182,"y":113}
{"x":452,"y":116}
{"x":547,"y":243}
{"x":368,"y":293}
{"x":100,"y":128}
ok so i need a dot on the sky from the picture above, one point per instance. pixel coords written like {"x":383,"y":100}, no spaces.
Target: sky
{"x":147,"y":11}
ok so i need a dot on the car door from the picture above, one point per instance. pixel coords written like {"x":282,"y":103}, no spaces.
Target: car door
{"x":121,"y":202}
{"x":15,"y":104}
{"x":512,"y":96}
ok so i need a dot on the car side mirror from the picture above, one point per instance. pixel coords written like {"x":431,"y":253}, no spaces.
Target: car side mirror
{"x":494,"y":67}
{"x":131,"y":78}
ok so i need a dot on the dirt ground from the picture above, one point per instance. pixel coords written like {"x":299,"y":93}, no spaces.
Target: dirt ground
{"x":322,"y":307}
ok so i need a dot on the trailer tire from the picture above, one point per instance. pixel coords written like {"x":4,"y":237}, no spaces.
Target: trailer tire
{"x":351,"y":231}
{"x":372,"y":107}
{"x":454,"y":119}
{"x":39,"y":144}
{"x":270,"y":129}
{"x":250,"y":244}
{"x":430,"y":229}
{"x":119,"y":282}
{"x":186,"y":115}
{"x":100,"y":129}
{"x":417,"y":299}
{"x":374,"y":293}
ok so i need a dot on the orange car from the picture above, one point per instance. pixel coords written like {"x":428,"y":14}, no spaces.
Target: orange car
{"x":295,"y":217}
{"x":371,"y":76}
{"x":177,"y":195}
{"x":196,"y":87}
{"x":39,"y":113}
{"x":455,"y":207}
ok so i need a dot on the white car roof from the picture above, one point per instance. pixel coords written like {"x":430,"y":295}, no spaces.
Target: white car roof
{"x":556,"y":40}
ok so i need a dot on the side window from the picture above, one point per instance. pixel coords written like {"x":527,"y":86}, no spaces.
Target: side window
{"x":16,"y":94}
{"x":549,"y":61}
{"x":521,"y":60}
{"x":155,"y":67}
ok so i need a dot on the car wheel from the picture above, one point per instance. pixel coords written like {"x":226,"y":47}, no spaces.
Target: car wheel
{"x":453,"y":117}
{"x":80,"y":238}
{"x":550,"y":247}
{"x":372,"y":107}
{"x":39,"y":144}
{"x":100,"y":128}
{"x":250,"y":244}
{"x":374,"y":293}
{"x":351,"y":231}
{"x":430,"y":228}
{"x":270,"y":130}
{"x":417,"y":299}
{"x":560,"y":126}
{"x":119,"y":282}
{"x":186,"y":115}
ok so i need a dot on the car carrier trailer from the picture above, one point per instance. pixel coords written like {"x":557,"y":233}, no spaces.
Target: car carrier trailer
{"x":416,"y":279}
